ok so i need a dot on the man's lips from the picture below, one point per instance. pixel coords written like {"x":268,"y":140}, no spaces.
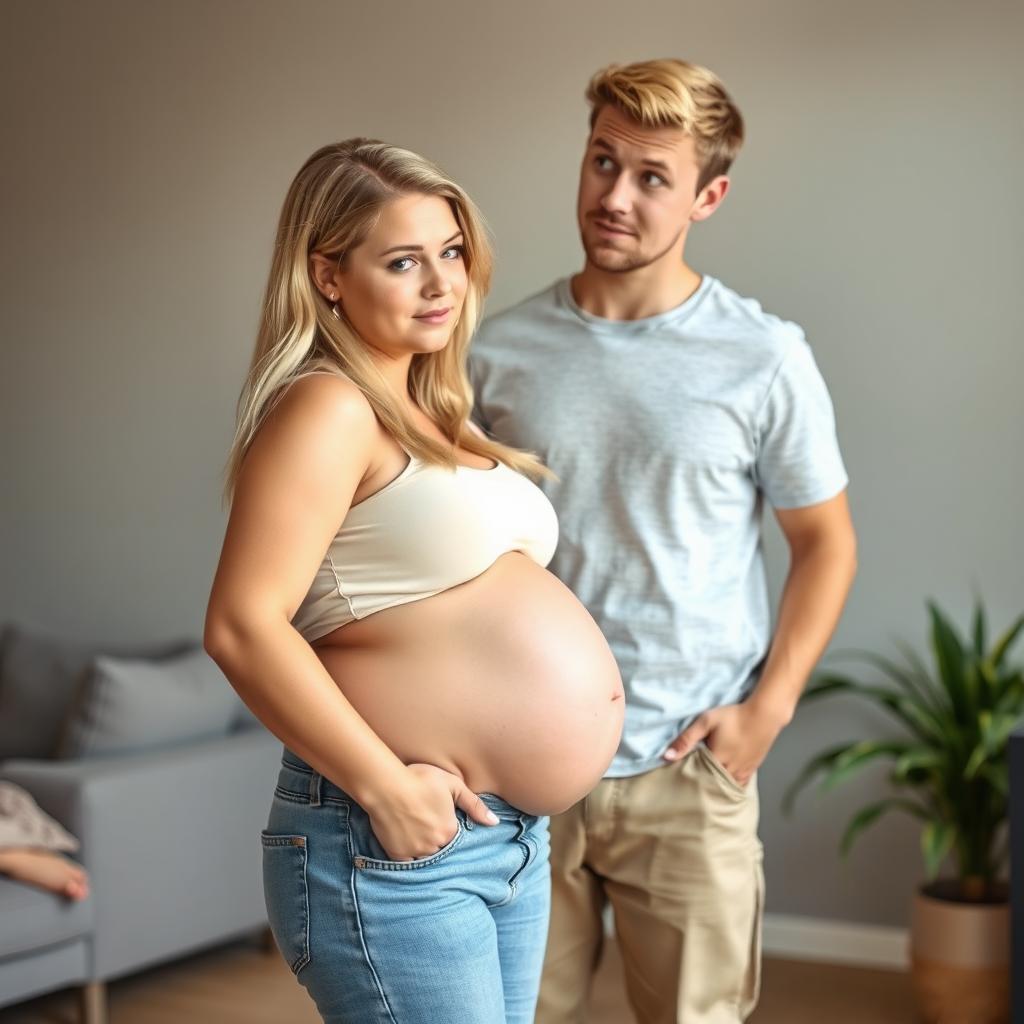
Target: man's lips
{"x":612,"y":229}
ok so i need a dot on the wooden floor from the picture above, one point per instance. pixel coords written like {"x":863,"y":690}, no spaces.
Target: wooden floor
{"x":242,"y":984}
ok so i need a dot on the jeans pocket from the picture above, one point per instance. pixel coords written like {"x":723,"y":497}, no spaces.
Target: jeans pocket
{"x":287,"y":895}
{"x":370,"y":855}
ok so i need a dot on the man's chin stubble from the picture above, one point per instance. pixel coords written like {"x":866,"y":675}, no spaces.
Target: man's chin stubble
{"x":621,"y":263}
{"x":624,"y":263}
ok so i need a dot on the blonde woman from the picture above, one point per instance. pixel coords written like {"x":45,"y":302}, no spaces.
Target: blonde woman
{"x":381,"y":603}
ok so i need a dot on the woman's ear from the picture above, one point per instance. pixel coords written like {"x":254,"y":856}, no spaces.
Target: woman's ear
{"x":326,"y":274}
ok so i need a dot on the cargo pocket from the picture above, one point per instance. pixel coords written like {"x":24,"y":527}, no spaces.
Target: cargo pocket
{"x":287,"y":895}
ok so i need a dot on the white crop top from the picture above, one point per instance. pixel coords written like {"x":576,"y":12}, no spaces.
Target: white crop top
{"x":431,"y":528}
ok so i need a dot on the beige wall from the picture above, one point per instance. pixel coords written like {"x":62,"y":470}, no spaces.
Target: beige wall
{"x":147,"y":147}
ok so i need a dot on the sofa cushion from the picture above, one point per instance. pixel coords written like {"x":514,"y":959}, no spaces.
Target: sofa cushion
{"x":127,"y":705}
{"x":39,"y":678}
{"x":31,"y":918}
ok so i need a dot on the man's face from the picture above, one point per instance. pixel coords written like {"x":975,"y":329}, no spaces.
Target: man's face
{"x":638,"y":189}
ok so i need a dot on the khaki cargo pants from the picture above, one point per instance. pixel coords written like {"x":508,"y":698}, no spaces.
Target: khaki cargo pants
{"x":676,"y":853}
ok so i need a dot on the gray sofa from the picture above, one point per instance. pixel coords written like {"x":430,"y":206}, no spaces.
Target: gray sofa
{"x":169,"y":832}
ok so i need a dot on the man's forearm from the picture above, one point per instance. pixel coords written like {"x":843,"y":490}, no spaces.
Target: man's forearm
{"x":820,"y":575}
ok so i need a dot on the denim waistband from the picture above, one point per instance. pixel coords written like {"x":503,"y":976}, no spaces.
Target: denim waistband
{"x":320,"y":786}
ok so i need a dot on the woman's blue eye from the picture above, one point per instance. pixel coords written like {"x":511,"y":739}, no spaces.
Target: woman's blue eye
{"x":459,"y":251}
{"x":394,"y":264}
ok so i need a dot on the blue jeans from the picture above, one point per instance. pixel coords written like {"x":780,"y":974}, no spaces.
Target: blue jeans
{"x":457,"y":937}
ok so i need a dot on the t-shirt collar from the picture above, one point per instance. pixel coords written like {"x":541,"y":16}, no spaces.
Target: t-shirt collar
{"x":622,"y":327}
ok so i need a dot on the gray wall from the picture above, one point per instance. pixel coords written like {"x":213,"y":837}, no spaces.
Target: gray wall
{"x":148,"y":147}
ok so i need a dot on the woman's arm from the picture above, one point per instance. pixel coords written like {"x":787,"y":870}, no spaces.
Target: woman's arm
{"x":294,"y":489}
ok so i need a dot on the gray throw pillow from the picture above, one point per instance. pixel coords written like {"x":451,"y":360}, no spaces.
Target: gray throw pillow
{"x":38,"y":680}
{"x":39,"y":677}
{"x":132,"y":705}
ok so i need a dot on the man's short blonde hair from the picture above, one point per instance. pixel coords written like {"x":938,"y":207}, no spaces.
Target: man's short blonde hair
{"x":674,"y":94}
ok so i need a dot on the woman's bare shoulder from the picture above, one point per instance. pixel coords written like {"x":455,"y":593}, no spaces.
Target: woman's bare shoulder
{"x":321,"y":422}
{"x":325,"y":396}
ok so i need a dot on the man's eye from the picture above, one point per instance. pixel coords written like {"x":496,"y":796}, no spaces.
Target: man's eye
{"x":654,"y":180}
{"x":402,"y":263}
{"x":603,"y":163}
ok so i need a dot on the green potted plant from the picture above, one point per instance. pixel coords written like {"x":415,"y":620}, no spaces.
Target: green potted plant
{"x":948,"y":767}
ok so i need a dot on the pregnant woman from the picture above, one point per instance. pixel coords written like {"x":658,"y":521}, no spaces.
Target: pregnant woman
{"x":381,"y":603}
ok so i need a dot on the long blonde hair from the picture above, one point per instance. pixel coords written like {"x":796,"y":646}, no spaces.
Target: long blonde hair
{"x":674,"y":94}
{"x":330,"y":208}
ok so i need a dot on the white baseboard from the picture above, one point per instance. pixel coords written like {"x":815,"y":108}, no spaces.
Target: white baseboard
{"x":834,"y":942}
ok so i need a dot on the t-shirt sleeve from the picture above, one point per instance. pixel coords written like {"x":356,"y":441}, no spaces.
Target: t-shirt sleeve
{"x":798,"y":459}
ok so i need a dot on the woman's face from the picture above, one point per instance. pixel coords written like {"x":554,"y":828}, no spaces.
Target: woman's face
{"x":403,"y":288}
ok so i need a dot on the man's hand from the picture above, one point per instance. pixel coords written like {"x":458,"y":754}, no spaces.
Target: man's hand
{"x":739,"y":735}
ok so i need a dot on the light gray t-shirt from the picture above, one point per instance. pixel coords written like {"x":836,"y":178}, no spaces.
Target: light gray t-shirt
{"x":665,"y":434}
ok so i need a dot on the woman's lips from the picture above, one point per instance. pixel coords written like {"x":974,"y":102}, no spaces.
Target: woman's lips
{"x":437,"y":316}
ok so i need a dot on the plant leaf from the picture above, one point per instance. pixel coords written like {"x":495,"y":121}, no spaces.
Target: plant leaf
{"x":916,"y":759}
{"x":912,"y":714}
{"x":853,"y":759}
{"x":936,"y":842}
{"x":973,"y":685}
{"x":816,"y":764}
{"x":979,"y":629}
{"x":995,"y":731}
{"x":1009,"y":693}
{"x":950,"y":658}
{"x":867,"y":816}
{"x":1005,"y":642}
{"x":1007,"y":689}
{"x":916,"y":683}
{"x":923,"y":675}
{"x":998,"y":776}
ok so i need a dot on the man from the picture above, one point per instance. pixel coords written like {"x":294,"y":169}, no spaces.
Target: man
{"x":670,"y":408}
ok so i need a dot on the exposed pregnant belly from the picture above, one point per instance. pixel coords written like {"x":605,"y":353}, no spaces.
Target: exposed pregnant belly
{"x":505,"y":680}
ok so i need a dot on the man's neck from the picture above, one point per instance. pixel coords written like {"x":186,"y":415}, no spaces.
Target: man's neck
{"x":635,"y":294}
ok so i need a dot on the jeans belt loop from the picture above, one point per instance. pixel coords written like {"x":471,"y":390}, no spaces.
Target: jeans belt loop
{"x":314,"y":789}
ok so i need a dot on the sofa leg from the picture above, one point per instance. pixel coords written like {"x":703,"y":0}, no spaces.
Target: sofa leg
{"x":93,"y":1003}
